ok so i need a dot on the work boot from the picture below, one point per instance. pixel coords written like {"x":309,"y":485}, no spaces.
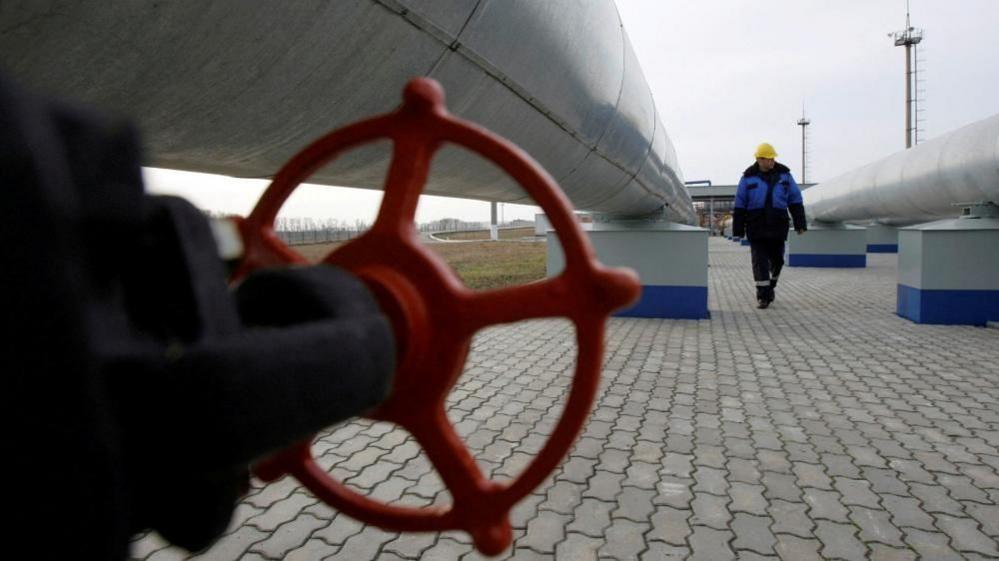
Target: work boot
{"x":770,"y":292}
{"x":762,"y":299}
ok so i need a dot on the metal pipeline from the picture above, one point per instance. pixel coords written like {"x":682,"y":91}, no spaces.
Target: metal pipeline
{"x":927,"y":182}
{"x":237,"y":86}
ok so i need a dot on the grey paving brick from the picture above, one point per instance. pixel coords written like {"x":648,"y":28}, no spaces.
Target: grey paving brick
{"x":987,"y":516}
{"x":624,"y":540}
{"x":545,"y":530}
{"x":885,"y":481}
{"x":525,"y":510}
{"x":365,"y":545}
{"x":710,"y":480}
{"x":670,"y":525}
{"x":774,"y":461}
{"x":811,"y":475}
{"x":411,"y":545}
{"x":781,"y":486}
{"x":840,"y":465}
{"x":708,"y":544}
{"x":748,"y":498}
{"x":839,"y":541}
{"x":674,"y":492}
{"x":885,"y":553}
{"x":906,"y":513}
{"x":753,"y":533}
{"x":288,"y":536}
{"x":961,"y":488}
{"x":677,"y":465}
{"x":744,"y":470}
{"x":604,"y":485}
{"x":342,"y":528}
{"x":168,"y":554}
{"x":579,"y":547}
{"x":876,"y":526}
{"x":233,"y":546}
{"x":563,"y":497}
{"x":642,"y":474}
{"x":856,"y":492}
{"x":660,"y":551}
{"x":447,"y":549}
{"x":710,"y":510}
{"x":614,"y":460}
{"x":791,"y":518}
{"x":793,"y":548}
{"x":281,"y":511}
{"x":591,"y":517}
{"x":931,"y":545}
{"x":965,"y":535}
{"x":753,"y":420}
{"x":634,"y":504}
{"x":826,"y":505}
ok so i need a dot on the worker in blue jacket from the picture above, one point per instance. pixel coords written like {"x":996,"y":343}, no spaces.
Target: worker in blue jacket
{"x":766,"y":194}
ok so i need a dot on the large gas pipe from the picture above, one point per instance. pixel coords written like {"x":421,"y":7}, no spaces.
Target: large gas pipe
{"x":928,"y":182}
{"x":237,"y":86}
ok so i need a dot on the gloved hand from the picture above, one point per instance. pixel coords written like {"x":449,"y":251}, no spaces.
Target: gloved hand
{"x":232,"y":376}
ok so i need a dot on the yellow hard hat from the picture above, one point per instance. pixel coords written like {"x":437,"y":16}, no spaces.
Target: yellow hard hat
{"x":765,"y":151}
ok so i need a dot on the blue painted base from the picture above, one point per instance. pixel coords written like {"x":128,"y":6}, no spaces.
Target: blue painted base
{"x":744,"y":242}
{"x":677,"y":302}
{"x":882,"y":248}
{"x":829,"y":261}
{"x":950,"y":307}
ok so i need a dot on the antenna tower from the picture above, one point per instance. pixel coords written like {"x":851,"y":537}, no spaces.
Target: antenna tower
{"x":908,"y":38}
{"x":803,"y":122}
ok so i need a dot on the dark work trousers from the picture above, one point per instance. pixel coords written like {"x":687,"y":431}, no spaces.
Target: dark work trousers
{"x":768,"y":260}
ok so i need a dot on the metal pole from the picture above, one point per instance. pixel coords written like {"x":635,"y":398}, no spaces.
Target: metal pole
{"x":908,"y":96}
{"x":494,"y":226}
{"x":711,"y":216}
{"x":803,"y":180}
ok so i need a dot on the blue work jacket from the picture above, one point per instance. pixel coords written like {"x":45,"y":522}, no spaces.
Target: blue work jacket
{"x":762,"y":203}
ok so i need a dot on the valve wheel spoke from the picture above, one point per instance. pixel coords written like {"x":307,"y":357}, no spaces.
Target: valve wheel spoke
{"x":434,"y":315}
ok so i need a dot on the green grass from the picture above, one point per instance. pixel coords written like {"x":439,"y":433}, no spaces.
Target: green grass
{"x":481,"y":265}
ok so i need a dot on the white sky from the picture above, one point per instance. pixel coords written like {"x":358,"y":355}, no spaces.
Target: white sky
{"x":727,"y":75}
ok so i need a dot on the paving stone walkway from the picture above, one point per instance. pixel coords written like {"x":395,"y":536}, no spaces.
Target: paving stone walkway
{"x":825,"y":427}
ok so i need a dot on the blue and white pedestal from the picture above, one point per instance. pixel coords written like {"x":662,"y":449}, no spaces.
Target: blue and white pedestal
{"x":671,"y":261}
{"x":948,"y":272}
{"x":742,"y":241}
{"x":882,"y":239}
{"x":828,"y":245}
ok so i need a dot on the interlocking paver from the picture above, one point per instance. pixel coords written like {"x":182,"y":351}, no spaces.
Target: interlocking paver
{"x":791,"y":518}
{"x":876,"y":526}
{"x":884,"y":553}
{"x":966,"y":537}
{"x":708,"y":544}
{"x":625,"y":540}
{"x":578,"y":547}
{"x":793,"y":548}
{"x":545,"y":530}
{"x":931,"y":545}
{"x":288,"y":536}
{"x":753,"y":533}
{"x":825,"y":426}
{"x":591,"y":517}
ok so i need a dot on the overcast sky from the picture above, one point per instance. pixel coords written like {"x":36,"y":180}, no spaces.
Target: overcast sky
{"x":727,"y":75}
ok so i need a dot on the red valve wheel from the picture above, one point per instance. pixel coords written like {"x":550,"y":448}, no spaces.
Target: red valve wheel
{"x":434,"y":315}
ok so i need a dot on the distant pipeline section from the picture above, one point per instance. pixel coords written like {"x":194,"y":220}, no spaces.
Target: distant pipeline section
{"x":237,"y":86}
{"x":927,"y":182}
